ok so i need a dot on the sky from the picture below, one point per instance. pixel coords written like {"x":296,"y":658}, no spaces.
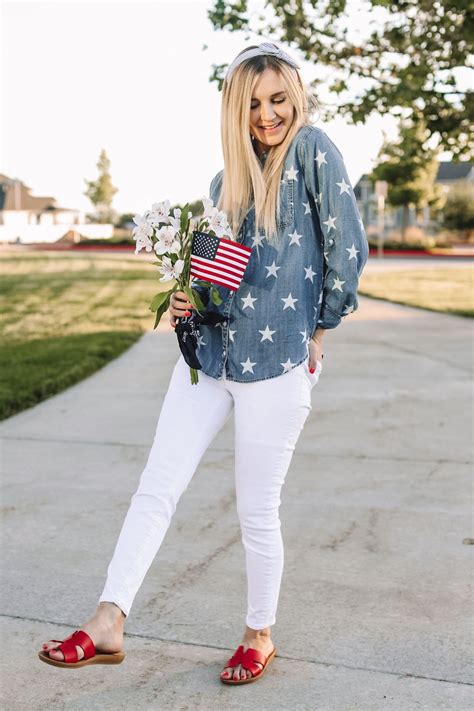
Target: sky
{"x":132,"y":78}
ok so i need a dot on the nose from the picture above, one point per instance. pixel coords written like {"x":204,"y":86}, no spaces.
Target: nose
{"x":267,"y":113}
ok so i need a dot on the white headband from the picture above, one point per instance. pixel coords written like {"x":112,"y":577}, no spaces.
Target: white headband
{"x":262,"y":49}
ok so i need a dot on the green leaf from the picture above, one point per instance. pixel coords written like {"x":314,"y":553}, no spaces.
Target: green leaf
{"x":162,"y":309}
{"x":215,"y":296}
{"x":184,"y":218}
{"x":198,"y":301}
{"x":159,"y":299}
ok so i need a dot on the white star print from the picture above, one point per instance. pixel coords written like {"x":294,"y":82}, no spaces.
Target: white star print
{"x":320,"y":298}
{"x":291,"y":174}
{"x":305,"y":336}
{"x":326,"y":255}
{"x":320,"y":158}
{"x":257,"y":240}
{"x":200,"y":341}
{"x":231,"y":334}
{"x":344,"y":187}
{"x":319,"y":197}
{"x":337,"y":284}
{"x":330,"y":223}
{"x":267,"y":334}
{"x":348,"y":310}
{"x":248,"y":366}
{"x":248,"y":301}
{"x":352,"y":251}
{"x":287,"y":366}
{"x":272,"y":270}
{"x":307,"y":208}
{"x":289,"y":302}
{"x":309,"y":272}
{"x":295,"y":238}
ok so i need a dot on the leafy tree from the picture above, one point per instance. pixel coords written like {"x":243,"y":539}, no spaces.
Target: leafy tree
{"x":458,"y":212}
{"x":409,"y":59}
{"x":101,"y":191}
{"x":410,"y":168}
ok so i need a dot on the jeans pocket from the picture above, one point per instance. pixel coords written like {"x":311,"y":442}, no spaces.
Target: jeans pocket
{"x":313,"y":377}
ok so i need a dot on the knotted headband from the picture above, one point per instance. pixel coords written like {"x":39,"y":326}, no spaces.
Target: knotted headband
{"x":264,"y":48}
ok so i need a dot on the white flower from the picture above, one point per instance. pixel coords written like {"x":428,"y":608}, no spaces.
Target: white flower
{"x":176,"y":219}
{"x":209,"y":210}
{"x":167,"y":241}
{"x":143,"y":224}
{"x":169,"y":270}
{"x":159,"y":212}
{"x":218,"y":224}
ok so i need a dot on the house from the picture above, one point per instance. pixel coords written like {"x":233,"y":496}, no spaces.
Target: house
{"x":449,"y":174}
{"x":26,"y":218}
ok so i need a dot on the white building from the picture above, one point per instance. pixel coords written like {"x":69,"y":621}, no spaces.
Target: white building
{"x":25,"y":218}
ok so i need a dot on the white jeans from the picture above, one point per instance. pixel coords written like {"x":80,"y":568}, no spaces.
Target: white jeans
{"x":269,"y":416}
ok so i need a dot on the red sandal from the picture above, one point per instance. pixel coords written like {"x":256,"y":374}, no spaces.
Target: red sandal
{"x":247,"y":659}
{"x":68,"y":648}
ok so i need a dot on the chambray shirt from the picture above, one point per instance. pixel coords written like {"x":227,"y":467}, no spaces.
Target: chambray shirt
{"x":287,"y":291}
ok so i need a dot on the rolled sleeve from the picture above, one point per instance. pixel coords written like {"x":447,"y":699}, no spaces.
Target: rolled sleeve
{"x":345,"y":245}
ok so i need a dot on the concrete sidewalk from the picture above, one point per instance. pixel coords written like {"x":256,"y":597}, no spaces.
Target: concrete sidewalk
{"x":373,"y":611}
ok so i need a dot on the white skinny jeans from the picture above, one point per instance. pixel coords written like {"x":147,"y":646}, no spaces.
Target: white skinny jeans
{"x":269,"y":416}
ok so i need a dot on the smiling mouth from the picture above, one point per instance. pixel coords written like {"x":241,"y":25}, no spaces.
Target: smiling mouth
{"x":272,"y":127}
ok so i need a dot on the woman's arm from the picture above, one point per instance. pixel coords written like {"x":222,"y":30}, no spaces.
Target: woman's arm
{"x":345,"y":244}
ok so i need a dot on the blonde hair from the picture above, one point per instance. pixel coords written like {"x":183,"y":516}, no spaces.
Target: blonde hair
{"x":244,"y":178}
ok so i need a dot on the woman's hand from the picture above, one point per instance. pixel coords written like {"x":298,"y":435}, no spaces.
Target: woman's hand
{"x":179,"y":306}
{"x":316,"y":352}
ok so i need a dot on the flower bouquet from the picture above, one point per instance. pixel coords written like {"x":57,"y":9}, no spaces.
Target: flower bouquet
{"x":186,"y":246}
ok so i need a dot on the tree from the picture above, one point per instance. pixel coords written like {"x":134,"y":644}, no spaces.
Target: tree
{"x":458,"y":212}
{"x":410,"y":168}
{"x":409,"y":61}
{"x":101,"y":191}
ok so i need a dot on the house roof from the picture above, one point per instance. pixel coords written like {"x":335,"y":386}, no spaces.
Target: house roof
{"x":448,"y":170}
{"x":19,"y":198}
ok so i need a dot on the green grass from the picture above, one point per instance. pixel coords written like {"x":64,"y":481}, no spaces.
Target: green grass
{"x":448,"y":290}
{"x":64,"y":316}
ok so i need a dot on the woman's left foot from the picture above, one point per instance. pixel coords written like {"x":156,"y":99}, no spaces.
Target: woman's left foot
{"x":262,"y":643}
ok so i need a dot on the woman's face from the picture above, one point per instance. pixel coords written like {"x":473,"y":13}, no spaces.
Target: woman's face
{"x":271,"y":113}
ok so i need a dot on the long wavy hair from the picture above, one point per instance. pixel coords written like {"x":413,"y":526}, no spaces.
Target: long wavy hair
{"x":245,"y":181}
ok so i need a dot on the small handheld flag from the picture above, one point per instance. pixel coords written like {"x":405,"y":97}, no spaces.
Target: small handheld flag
{"x":218,"y":260}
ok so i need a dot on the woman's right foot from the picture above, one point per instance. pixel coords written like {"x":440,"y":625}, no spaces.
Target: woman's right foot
{"x":105,"y":629}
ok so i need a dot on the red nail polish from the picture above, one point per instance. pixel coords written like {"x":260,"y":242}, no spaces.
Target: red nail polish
{"x":187,"y":313}
{"x":311,"y":370}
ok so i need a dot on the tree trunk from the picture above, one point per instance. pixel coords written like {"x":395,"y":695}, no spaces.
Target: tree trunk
{"x":404,"y":221}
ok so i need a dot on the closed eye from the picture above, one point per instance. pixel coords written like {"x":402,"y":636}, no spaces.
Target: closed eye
{"x":274,"y":101}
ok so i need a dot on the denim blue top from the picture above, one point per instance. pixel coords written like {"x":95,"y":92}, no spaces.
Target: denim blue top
{"x":287,"y":291}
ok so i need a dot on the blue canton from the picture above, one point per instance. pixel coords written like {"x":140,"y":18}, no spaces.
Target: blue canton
{"x":309,"y":280}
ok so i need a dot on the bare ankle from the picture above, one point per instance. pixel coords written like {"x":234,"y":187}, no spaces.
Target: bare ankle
{"x":110,"y":610}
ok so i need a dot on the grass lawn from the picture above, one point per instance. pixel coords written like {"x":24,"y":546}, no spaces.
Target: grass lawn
{"x":449,"y":290}
{"x":64,"y":316}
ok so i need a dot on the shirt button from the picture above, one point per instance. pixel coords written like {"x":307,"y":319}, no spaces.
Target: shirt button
{"x":331,"y":241}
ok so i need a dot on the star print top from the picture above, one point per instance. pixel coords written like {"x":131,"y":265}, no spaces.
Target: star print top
{"x":309,"y":280}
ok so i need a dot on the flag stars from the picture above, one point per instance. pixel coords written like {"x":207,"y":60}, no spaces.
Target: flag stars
{"x":309,"y":273}
{"x":248,"y":301}
{"x":247,"y":366}
{"x":272,"y":270}
{"x":267,"y":334}
{"x":200,"y":342}
{"x":348,"y":310}
{"x":257,"y":240}
{"x":307,"y":208}
{"x":291,"y":174}
{"x":344,"y":187}
{"x":289,"y":302}
{"x":231,"y":334}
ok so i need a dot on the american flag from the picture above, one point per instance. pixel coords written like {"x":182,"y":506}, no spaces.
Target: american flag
{"x":218,"y":260}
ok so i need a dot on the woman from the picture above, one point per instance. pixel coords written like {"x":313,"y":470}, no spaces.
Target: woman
{"x":286,"y":193}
